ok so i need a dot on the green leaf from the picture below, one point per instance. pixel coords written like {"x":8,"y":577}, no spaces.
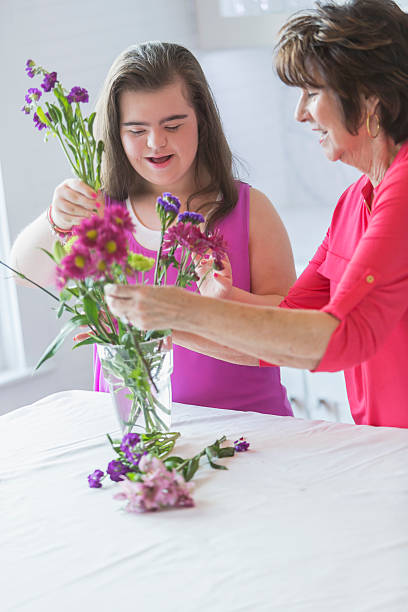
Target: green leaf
{"x":90,"y":122}
{"x":56,"y":343}
{"x":49,"y":254}
{"x":64,"y":104}
{"x":227,"y":451}
{"x":191,"y":468}
{"x":58,"y":252}
{"x":42,"y":116}
{"x":91,"y":310}
{"x":90,"y":340}
{"x":60,"y":310}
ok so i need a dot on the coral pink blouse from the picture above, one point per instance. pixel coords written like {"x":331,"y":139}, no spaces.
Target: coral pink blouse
{"x":359,"y":274}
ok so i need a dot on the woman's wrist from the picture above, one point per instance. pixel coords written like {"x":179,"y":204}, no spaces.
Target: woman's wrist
{"x":60,"y":232}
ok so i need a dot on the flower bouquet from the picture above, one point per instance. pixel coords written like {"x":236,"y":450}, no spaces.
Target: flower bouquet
{"x":152,"y":479}
{"x":137,"y":364}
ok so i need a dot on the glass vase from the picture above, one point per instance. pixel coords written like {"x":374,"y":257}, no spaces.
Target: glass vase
{"x":139,"y":383}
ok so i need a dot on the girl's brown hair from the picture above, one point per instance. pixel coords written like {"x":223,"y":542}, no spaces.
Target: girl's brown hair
{"x":151,"y":66}
{"x":358,"y":48}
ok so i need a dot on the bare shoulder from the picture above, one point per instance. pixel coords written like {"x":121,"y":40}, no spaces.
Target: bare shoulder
{"x":261,"y":209}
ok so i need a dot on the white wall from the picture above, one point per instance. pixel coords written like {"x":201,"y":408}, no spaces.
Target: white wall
{"x":79,"y":40}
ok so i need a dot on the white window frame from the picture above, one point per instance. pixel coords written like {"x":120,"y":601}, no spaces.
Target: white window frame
{"x":12,"y":356}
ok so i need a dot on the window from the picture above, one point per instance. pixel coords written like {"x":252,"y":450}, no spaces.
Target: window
{"x":12,"y":358}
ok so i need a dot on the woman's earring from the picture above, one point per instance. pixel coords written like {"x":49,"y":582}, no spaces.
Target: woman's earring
{"x":377,"y":127}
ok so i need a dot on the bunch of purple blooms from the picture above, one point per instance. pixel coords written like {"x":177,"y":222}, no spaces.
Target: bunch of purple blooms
{"x":73,"y":131}
{"x":152,"y":479}
{"x":182,"y":240}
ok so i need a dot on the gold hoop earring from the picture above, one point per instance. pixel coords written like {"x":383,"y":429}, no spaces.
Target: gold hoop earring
{"x":377,"y":129}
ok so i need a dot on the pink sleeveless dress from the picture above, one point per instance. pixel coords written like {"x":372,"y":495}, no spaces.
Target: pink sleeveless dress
{"x":205,"y":381}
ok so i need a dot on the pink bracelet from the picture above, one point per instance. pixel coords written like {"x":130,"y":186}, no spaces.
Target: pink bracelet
{"x":59,"y":232}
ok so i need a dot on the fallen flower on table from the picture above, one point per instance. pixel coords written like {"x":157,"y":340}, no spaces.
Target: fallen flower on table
{"x":152,"y":479}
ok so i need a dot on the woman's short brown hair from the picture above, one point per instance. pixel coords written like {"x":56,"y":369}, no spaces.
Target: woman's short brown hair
{"x":357,"y":48}
{"x":150,"y":66}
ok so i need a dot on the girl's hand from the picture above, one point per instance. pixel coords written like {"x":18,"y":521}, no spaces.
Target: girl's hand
{"x":73,"y":201}
{"x":213,"y":283}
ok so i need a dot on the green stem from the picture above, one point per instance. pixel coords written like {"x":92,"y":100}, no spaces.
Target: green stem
{"x":23,"y":276}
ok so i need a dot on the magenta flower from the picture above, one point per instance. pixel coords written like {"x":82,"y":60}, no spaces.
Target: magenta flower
{"x":29,"y":68}
{"x":112,"y":245}
{"x":50,"y":78}
{"x":77,"y":264}
{"x":186,"y":235}
{"x":218,"y":247}
{"x":89,"y":230}
{"x":94,"y":479}
{"x":118,"y":216}
{"x":241,"y":445}
{"x":78,"y":94}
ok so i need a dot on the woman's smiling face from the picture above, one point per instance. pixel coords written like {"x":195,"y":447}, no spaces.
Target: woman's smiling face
{"x":320,"y":107}
{"x":159,"y":134}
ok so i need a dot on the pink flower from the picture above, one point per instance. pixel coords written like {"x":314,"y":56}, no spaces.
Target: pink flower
{"x":118,"y":216}
{"x":158,"y":488}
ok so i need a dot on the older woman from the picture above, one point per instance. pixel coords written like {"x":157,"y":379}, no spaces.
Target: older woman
{"x":349,"y":309}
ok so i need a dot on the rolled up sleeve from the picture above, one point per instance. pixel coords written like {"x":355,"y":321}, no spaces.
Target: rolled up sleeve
{"x":372,"y":295}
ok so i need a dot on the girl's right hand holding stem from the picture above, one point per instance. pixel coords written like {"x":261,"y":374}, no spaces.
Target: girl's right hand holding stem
{"x":74,"y":200}
{"x":212,"y":282}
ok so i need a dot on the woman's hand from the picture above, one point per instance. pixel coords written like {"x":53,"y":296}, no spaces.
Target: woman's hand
{"x":73,"y":201}
{"x":213,"y":283}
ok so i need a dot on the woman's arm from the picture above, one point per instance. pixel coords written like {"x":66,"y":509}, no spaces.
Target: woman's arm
{"x":296,"y":338}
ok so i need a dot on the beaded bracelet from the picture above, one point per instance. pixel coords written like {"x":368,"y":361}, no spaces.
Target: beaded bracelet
{"x":61,"y":233}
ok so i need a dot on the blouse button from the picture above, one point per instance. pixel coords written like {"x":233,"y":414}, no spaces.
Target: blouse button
{"x":370,"y":278}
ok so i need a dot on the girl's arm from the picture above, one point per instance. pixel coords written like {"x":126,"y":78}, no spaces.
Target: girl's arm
{"x":72,"y":201}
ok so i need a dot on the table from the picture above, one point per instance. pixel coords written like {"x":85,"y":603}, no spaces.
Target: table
{"x":312,"y":518}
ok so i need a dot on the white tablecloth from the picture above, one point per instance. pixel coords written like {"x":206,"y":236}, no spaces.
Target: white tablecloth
{"x":314,"y":517}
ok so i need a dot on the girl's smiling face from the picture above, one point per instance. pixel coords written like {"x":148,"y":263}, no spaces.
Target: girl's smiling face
{"x":159,"y":134}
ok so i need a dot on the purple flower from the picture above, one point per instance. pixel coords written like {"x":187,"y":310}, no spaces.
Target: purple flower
{"x":191,"y":217}
{"x":29,"y":68}
{"x":241,"y":445}
{"x":94,"y":479}
{"x":50,"y":78}
{"x":78,"y":94}
{"x":129,"y":442}
{"x":116,"y":469}
{"x":172,"y":199}
{"x":33,"y":94}
{"x":167,"y":207}
{"x":38,"y":123}
{"x":26,"y":109}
